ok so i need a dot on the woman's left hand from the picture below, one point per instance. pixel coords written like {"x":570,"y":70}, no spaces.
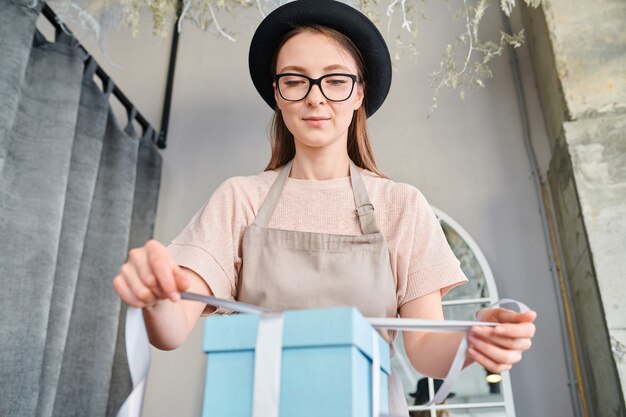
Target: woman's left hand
{"x":499,"y":348}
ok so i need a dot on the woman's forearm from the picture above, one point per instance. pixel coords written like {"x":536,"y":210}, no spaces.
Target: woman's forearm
{"x":432,"y":353}
{"x":167,"y":324}
{"x":170,"y":323}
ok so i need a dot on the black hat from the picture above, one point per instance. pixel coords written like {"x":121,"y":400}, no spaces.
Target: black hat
{"x":421,"y":393}
{"x":335,"y":15}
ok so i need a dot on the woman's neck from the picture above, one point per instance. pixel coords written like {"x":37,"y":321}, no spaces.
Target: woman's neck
{"x":320,"y":167}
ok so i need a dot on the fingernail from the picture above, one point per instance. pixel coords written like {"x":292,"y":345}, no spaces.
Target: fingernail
{"x":175,"y":296}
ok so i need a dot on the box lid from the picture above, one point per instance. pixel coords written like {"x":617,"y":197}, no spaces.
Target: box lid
{"x":302,"y":328}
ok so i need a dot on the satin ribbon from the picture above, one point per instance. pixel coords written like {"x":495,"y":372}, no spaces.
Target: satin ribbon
{"x":138,"y":354}
{"x":375,"y":375}
{"x":267,"y":365}
{"x":266,"y":391}
{"x":459,"y":358}
{"x":443,"y":326}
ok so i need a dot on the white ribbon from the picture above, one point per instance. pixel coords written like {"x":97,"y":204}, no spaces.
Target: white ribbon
{"x":266,"y":394}
{"x":443,"y":326}
{"x":375,"y":375}
{"x":432,"y":326}
{"x":138,"y":353}
{"x":267,"y":365}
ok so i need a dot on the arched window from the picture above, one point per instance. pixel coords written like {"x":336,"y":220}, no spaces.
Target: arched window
{"x":473,"y":394}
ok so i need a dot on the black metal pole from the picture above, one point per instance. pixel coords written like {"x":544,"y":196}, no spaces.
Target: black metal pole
{"x":167,"y":103}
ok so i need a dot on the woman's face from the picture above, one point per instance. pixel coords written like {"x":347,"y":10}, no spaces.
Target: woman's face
{"x":316,"y":122}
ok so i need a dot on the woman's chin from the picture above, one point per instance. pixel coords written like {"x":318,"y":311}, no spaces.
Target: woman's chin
{"x":314,"y":143}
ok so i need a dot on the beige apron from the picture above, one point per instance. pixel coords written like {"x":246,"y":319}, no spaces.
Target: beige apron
{"x":284,"y":269}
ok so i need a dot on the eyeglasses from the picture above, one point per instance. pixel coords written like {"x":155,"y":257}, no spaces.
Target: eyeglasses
{"x":335,"y":87}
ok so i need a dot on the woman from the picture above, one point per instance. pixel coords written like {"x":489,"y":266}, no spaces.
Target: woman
{"x":321,"y":226}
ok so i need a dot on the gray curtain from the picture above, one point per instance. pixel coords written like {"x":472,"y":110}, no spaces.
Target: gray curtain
{"x":75,"y":190}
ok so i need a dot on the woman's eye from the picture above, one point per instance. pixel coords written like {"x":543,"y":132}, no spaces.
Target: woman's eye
{"x":293,"y":83}
{"x":335,"y":82}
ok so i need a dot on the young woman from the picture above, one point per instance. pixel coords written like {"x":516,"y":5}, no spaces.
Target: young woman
{"x":321,"y":226}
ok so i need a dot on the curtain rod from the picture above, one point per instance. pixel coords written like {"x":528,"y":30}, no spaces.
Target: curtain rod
{"x":160,"y":141}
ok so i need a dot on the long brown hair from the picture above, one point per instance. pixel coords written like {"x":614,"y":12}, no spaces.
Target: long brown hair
{"x":359,"y":149}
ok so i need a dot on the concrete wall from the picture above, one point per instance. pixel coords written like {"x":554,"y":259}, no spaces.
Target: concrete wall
{"x":468,"y":159}
{"x":579,"y":54}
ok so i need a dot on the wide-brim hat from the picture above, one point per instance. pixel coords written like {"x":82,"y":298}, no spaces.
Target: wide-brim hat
{"x":333,"y":14}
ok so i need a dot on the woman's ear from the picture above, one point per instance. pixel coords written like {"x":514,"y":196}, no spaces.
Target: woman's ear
{"x":276,"y":95}
{"x":360,"y":95}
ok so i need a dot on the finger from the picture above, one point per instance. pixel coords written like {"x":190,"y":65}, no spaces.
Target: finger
{"x":182,"y":283}
{"x":506,"y":330}
{"x":135,"y":284}
{"x":495,"y":353}
{"x":138,"y":258}
{"x":521,"y":343}
{"x":484,"y":313}
{"x":486,"y":362}
{"x":140,"y":262}
{"x":162,"y":267}
{"x":502,"y":315}
{"x":516,"y":331}
{"x":125,"y":293}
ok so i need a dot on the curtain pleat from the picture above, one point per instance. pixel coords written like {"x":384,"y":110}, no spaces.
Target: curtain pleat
{"x":84,"y":164}
{"x":145,"y":203}
{"x":86,"y":370}
{"x":146,"y":191}
{"x":33,"y":181}
{"x":17,"y":27}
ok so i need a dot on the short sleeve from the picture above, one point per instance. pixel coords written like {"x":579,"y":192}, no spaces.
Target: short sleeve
{"x":432,"y":264}
{"x":210,"y":243}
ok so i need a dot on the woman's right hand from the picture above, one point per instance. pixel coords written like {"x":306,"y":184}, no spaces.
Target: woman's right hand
{"x":149,"y":275}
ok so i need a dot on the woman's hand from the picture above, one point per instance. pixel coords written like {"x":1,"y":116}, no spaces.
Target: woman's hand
{"x":499,"y":348}
{"x":149,"y":275}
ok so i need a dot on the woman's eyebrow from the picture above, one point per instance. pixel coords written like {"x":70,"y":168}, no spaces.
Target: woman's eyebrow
{"x":335,"y":67}
{"x":293,"y":68}
{"x":304,"y":70}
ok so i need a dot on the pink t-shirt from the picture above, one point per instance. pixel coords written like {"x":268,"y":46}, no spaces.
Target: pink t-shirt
{"x":421,"y":260}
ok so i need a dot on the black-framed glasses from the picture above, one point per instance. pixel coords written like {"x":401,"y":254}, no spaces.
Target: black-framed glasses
{"x":335,"y":87}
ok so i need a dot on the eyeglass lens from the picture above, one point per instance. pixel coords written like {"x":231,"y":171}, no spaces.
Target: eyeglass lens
{"x":334,"y":87}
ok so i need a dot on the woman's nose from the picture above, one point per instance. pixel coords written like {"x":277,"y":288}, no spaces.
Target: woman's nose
{"x":315,"y":96}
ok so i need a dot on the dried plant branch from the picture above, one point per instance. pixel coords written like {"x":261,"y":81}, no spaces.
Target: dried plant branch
{"x":218,"y":27}
{"x":473,"y":75}
{"x":258,"y":5}
{"x":467,"y":72}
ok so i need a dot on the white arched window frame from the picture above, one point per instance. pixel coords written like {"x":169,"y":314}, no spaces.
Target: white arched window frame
{"x":503,"y":406}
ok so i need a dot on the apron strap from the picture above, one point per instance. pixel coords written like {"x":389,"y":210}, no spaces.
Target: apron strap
{"x":364,"y":209}
{"x":269,"y":204}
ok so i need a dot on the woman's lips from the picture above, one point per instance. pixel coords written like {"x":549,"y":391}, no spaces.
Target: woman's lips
{"x":315,"y":121}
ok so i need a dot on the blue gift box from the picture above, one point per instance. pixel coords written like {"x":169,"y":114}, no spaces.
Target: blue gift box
{"x":326,"y":364}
